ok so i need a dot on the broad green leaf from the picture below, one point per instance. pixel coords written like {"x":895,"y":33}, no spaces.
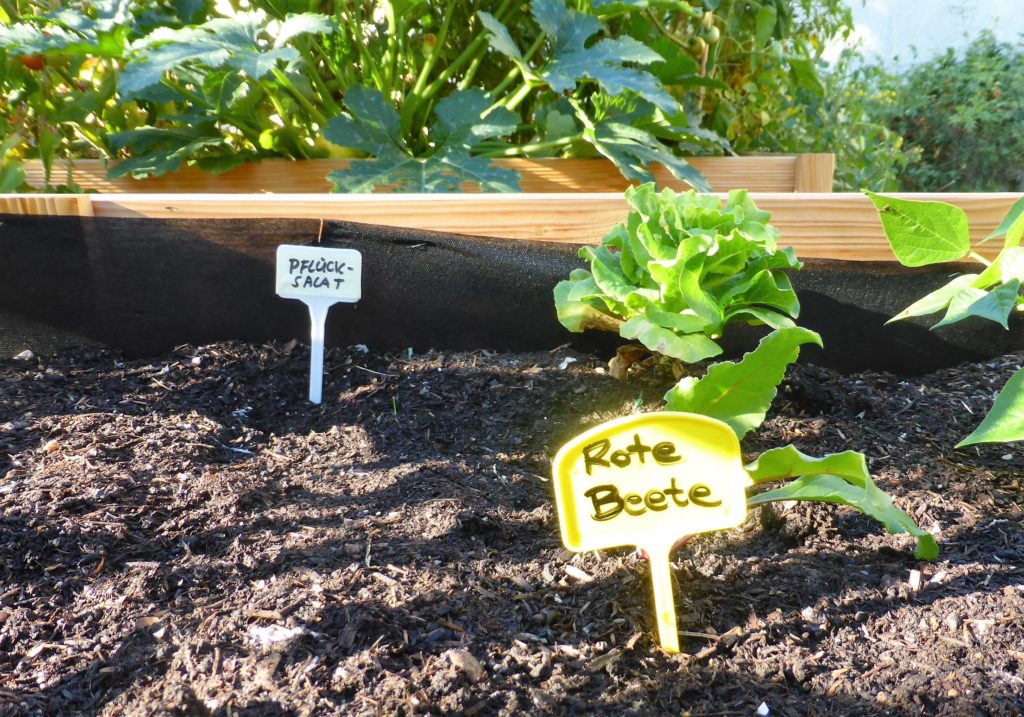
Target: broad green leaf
{"x":764,"y":25}
{"x":1012,"y":217}
{"x":460,"y":121}
{"x":374,"y":126}
{"x":922,"y":233}
{"x":242,"y":42}
{"x":633,"y":151}
{"x":1008,"y":265}
{"x":740,"y":393}
{"x":500,"y":38}
{"x":574,"y":313}
{"x":604,"y":61}
{"x":689,"y":348}
{"x":763,"y":289}
{"x":12,"y":177}
{"x":27,"y":39}
{"x":438,"y":174}
{"x":788,"y":462}
{"x":156,"y":150}
{"x":607,"y":273}
{"x":461,"y":167}
{"x":870,"y":500}
{"x":1005,"y":422}
{"x":756,"y":316}
{"x":686,"y":323}
{"x":936,"y":300}
{"x":568,"y":27}
{"x":994,"y":305}
{"x":306,"y":23}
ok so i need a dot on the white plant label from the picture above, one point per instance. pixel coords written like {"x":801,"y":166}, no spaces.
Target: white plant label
{"x":306,"y":271}
{"x":319,"y":277}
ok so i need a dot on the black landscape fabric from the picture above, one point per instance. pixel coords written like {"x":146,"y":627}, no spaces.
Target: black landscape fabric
{"x":143,"y":286}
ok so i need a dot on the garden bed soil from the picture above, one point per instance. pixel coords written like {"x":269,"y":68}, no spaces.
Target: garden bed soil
{"x":188,"y":536}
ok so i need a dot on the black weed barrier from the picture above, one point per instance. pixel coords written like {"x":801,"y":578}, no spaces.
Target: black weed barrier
{"x":145,"y":285}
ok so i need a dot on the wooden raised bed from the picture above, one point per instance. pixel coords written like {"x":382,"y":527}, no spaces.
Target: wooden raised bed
{"x":144,"y":272}
{"x":827,"y":226}
{"x":765,"y":173}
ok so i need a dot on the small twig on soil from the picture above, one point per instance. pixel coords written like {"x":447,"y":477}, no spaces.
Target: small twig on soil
{"x":243,"y":451}
{"x":370,"y":370}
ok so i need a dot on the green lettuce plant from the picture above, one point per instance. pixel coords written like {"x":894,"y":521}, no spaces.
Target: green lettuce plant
{"x":679,"y":271}
{"x":926,"y":232}
{"x":740,"y":393}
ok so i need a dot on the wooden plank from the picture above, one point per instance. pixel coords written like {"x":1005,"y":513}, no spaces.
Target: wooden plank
{"x":767,"y":173}
{"x":830,"y":226}
{"x":814,"y":172}
{"x":50,"y":205}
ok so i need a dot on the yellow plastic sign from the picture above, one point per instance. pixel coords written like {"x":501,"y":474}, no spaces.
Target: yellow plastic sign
{"x":649,"y":480}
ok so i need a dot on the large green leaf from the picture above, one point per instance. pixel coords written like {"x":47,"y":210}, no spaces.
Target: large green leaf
{"x":689,"y":348}
{"x":500,"y":38}
{"x":634,"y":150}
{"x":1005,"y":422}
{"x":740,"y":393}
{"x":571,"y":60}
{"x":461,"y":119}
{"x":938,"y":299}
{"x":572,"y":302}
{"x":1013,"y":217}
{"x":12,"y":177}
{"x":1008,"y":265}
{"x":841,"y":478}
{"x":243,"y":42}
{"x":922,"y":233}
{"x":157,"y":150}
{"x":373,"y":126}
{"x":437,"y":174}
{"x":994,"y":305}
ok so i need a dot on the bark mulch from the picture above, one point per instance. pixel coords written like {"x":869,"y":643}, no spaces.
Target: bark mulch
{"x":188,"y":536}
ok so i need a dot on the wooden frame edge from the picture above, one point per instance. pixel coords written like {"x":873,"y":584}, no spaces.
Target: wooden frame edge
{"x":829,"y":226}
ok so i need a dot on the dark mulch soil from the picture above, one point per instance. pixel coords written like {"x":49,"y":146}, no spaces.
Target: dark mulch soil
{"x":189,"y":536}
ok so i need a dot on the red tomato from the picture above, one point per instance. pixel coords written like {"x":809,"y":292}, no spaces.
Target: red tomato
{"x":32,"y":62}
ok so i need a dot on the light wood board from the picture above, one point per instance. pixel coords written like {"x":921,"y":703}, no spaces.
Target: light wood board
{"x":832,"y":226}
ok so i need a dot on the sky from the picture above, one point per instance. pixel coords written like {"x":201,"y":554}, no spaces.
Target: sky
{"x":890,"y":29}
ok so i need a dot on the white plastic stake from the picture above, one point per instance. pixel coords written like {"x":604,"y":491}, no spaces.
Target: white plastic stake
{"x":320,"y":277}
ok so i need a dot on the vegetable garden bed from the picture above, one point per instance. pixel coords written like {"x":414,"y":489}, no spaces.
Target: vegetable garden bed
{"x":186,"y":534}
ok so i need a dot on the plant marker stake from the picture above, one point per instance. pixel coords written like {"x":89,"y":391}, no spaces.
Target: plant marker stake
{"x":320,"y":277}
{"x":648,"y":480}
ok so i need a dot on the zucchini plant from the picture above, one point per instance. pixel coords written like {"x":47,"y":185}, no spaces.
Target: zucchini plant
{"x":927,"y":232}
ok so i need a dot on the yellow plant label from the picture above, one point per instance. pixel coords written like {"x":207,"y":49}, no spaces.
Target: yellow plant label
{"x":649,"y":480}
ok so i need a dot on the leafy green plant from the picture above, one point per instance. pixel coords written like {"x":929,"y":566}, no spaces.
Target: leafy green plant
{"x":740,"y":393}
{"x":924,"y":232}
{"x":679,"y":271}
{"x":961,"y":112}
{"x":158,"y":84}
{"x":429,"y":90}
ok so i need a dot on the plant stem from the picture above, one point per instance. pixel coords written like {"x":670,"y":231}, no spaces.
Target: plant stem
{"x":516,"y":98}
{"x":304,"y":103}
